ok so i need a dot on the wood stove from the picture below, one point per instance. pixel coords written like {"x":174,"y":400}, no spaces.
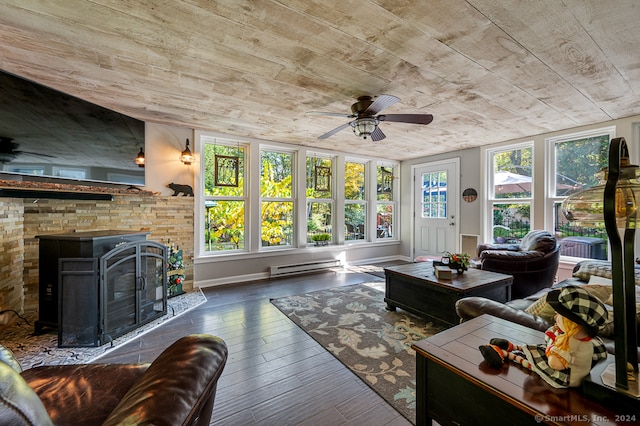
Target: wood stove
{"x":100,"y":285}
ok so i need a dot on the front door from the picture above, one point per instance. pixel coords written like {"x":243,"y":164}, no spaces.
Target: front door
{"x":436,"y":193}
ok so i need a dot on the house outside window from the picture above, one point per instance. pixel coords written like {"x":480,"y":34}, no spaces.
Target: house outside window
{"x":320,"y":203}
{"x":574,"y":160}
{"x":355,"y":201}
{"x":276,"y":198}
{"x":510,"y":189}
{"x":224,"y":195}
{"x":385,"y":203}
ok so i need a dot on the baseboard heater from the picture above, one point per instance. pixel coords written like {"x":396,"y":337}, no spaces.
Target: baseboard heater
{"x":300,"y":268}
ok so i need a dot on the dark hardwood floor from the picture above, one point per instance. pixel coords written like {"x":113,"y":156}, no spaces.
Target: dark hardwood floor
{"x":276,"y":374}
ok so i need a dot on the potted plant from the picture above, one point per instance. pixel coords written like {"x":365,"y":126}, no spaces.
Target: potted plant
{"x":321,"y":239}
{"x":457,"y":261}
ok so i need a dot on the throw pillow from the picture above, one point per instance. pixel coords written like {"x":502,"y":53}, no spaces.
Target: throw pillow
{"x":599,"y":268}
{"x":538,"y":240}
{"x":542,"y":309}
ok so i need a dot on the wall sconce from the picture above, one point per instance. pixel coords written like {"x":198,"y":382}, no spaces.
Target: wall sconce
{"x":140,"y":158}
{"x":187,"y":157}
{"x":613,"y":201}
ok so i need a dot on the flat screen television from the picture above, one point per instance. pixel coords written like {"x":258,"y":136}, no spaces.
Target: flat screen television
{"x":45,"y":133}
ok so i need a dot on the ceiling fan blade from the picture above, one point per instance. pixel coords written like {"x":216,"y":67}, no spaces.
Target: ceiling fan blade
{"x":334,"y":131}
{"x":381,"y":102}
{"x":407,"y":118}
{"x":331,"y":114}
{"x":39,"y":154}
{"x":377,"y":135}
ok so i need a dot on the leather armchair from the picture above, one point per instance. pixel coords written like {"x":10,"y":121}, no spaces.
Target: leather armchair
{"x":177,"y":388}
{"x":533,"y":263}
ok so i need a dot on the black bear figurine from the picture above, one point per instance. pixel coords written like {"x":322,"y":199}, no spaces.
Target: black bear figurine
{"x":186,"y":190}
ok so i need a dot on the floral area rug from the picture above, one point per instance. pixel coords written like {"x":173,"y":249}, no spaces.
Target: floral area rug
{"x":352,"y":323}
{"x":32,"y":349}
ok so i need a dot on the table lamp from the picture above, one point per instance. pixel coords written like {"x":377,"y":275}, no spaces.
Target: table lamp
{"x":614,"y":202}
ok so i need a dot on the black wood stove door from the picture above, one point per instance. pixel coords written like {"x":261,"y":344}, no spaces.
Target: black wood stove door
{"x":133,"y":287}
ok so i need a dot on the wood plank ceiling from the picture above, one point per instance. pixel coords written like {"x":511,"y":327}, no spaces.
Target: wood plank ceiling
{"x":488,"y":70}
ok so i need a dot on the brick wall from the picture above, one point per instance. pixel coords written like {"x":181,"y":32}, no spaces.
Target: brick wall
{"x":163,"y":216}
{"x":11,"y":255}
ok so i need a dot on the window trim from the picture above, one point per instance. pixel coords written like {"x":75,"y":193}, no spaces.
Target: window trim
{"x":488,"y":153}
{"x":551,"y":168}
{"x":291,"y":199}
{"x":200,"y":198}
{"x":253,"y":201}
{"x":395,"y":170}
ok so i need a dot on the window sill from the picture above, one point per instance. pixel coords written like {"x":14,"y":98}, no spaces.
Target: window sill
{"x":210,"y":258}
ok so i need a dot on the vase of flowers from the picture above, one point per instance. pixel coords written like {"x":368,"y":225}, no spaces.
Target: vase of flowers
{"x":457,"y":261}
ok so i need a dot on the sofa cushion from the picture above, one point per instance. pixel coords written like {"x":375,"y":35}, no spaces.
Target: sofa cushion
{"x":19,"y":404}
{"x":538,"y":240}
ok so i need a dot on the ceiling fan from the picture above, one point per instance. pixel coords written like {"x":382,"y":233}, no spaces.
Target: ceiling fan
{"x":366,"y":111}
{"x":9,"y":150}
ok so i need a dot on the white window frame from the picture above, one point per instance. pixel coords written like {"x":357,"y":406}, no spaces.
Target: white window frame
{"x":488,"y":176}
{"x":291,"y":199}
{"x":551,"y":171}
{"x":395,"y":170}
{"x":252,"y":199}
{"x":331,"y":201}
{"x":201,"y":198}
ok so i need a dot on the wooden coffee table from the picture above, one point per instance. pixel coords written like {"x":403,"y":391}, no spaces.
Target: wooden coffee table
{"x":454,"y":385}
{"x":415,"y":288}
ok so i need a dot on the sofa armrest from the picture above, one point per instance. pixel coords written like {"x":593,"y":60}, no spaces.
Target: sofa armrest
{"x":19,"y":404}
{"x":471,"y":307}
{"x":179,"y":386}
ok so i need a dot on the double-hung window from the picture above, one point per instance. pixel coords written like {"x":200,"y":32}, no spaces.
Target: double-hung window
{"x":276,"y":198}
{"x":574,"y":160}
{"x":320,"y":203}
{"x":386,"y":202}
{"x":355,"y":200}
{"x":510,"y":191}
{"x":225,"y":196}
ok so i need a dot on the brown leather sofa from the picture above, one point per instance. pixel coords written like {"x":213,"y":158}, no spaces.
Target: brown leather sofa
{"x":177,"y":388}
{"x":518,"y":310}
{"x":533,"y":262}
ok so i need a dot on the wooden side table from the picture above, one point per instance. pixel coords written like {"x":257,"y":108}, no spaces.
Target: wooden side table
{"x":456,"y":386}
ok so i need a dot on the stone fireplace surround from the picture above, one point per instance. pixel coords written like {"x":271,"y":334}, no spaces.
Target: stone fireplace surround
{"x":22,"y":219}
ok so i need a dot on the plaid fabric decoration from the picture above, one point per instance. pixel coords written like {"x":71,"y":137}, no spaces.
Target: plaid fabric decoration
{"x":535,"y":354}
{"x":576,"y":304}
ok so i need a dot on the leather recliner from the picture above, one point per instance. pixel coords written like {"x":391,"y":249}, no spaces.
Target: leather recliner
{"x":177,"y":388}
{"x":533,"y":262}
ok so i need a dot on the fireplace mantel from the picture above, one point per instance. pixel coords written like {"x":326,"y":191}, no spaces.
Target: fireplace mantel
{"x":64,"y":191}
{"x":53,"y":194}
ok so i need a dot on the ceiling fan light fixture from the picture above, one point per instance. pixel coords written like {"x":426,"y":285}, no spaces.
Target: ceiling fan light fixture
{"x":140,"y":158}
{"x":363,"y":127}
{"x":187,"y":157}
